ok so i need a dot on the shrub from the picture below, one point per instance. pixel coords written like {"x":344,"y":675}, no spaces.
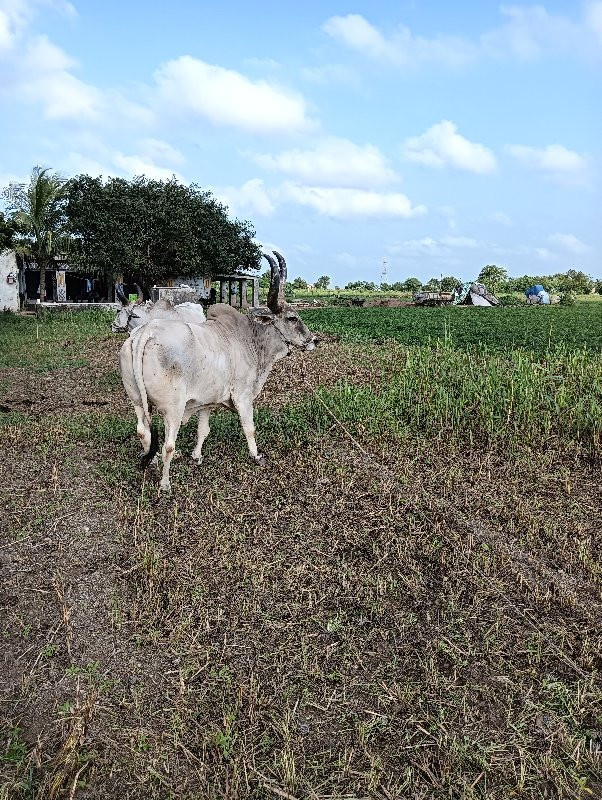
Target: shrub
{"x":567,"y":298}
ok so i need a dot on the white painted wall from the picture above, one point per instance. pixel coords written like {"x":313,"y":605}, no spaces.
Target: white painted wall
{"x":9,"y":293}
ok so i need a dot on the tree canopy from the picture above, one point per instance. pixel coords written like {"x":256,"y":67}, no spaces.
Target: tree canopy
{"x":493,"y":277}
{"x":152,"y":230}
{"x":322,"y":282}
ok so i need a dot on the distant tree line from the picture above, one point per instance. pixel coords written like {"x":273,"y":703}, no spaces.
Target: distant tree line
{"x":495,"y":279}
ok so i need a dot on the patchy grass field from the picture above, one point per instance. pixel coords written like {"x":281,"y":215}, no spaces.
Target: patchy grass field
{"x":405,"y":602}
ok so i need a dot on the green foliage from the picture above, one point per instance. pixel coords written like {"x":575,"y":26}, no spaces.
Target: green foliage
{"x":152,"y":230}
{"x":432,"y":285}
{"x":361,"y":286}
{"x":500,"y":329}
{"x":510,"y":300}
{"x":8,"y":232}
{"x":449,"y":283}
{"x":38,"y":216}
{"x":322,"y":282}
{"x":411,"y":285}
{"x":568,"y":298}
{"x":493,"y":277}
{"x":494,"y":398}
{"x":298,"y":283}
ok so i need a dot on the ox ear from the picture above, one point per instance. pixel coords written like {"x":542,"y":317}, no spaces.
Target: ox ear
{"x":262,"y":315}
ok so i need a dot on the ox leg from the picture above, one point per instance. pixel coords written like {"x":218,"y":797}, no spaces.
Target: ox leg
{"x":202,"y":432}
{"x":245,"y":413}
{"x":173,"y":420}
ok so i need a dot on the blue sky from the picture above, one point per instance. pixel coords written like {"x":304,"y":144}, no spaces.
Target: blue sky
{"x":434,"y":136}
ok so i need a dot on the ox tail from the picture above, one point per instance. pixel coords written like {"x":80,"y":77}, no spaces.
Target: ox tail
{"x":139,"y":340}
{"x":154,"y":447}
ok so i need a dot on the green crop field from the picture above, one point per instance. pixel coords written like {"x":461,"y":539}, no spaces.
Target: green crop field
{"x":404,"y":601}
{"x":536,"y":329}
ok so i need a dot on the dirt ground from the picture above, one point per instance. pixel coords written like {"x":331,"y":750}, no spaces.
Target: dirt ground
{"x":355,"y":619}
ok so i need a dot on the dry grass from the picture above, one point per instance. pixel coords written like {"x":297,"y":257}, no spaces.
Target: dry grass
{"x":360,"y":618}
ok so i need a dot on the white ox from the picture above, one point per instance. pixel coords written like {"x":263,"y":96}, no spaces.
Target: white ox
{"x":132,"y":315}
{"x":183,"y":369}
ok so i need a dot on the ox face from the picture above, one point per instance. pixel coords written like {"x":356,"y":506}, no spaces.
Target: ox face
{"x":289,"y":325}
{"x":126,"y":319}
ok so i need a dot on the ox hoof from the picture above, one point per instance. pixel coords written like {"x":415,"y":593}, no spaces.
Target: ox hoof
{"x":259,"y":459}
{"x":165,"y":487}
{"x":198,"y":460}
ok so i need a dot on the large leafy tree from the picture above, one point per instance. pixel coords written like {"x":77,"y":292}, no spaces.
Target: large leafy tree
{"x":37,"y":213}
{"x":493,"y":277}
{"x":449,"y":283}
{"x":574,"y":280}
{"x":409,"y":285}
{"x":152,"y":230}
{"x":322,"y":282}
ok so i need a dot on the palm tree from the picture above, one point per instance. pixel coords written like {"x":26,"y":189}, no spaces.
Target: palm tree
{"x":39,"y":212}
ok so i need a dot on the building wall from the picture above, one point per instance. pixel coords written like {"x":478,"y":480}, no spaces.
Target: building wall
{"x":9,"y":293}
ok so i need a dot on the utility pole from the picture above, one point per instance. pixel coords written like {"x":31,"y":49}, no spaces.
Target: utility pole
{"x":383,"y":274}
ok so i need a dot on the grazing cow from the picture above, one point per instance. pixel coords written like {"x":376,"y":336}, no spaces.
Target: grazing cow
{"x":132,"y":315}
{"x":182,"y":369}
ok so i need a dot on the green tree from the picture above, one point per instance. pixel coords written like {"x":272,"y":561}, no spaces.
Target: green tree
{"x":449,"y":283}
{"x":411,"y":285}
{"x":322,"y":282}
{"x":574,"y":280}
{"x":8,"y":232}
{"x":361,"y":286}
{"x":264,"y":279}
{"x":152,"y":230}
{"x":299,"y":283}
{"x":37,"y":213}
{"x":432,"y":285}
{"x":493,"y":277}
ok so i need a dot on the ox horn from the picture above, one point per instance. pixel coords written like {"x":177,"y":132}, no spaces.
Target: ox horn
{"x":275,"y":300}
{"x":139,"y":292}
{"x":121,"y":295}
{"x":282,"y":264}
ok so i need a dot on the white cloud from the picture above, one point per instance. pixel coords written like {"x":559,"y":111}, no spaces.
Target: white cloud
{"x":251,"y":198}
{"x":438,"y":248}
{"x":441,"y":145}
{"x":529,"y":31}
{"x":333,"y":162}
{"x":14,"y":18}
{"x":401,"y":48}
{"x":569,"y":243}
{"x":554,"y":159}
{"x":330,"y":75}
{"x":138,"y":165}
{"x":525,"y":32}
{"x":459,"y":241}
{"x":226,"y":97}
{"x":349,"y":203}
